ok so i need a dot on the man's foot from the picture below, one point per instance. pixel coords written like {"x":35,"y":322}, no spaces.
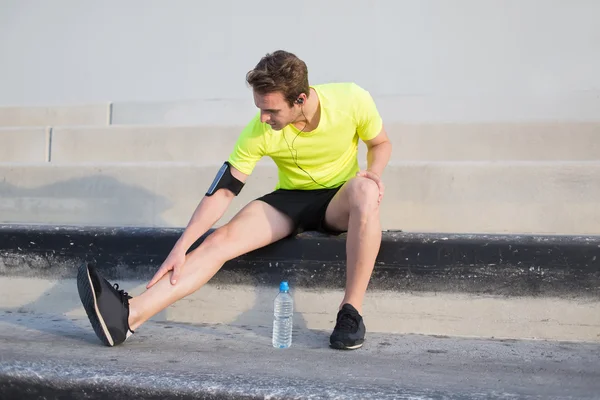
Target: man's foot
{"x":107,"y":307}
{"x":349,"y":331}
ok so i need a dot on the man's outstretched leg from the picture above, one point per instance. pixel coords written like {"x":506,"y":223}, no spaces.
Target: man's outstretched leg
{"x":355,"y":209}
{"x":114,"y":314}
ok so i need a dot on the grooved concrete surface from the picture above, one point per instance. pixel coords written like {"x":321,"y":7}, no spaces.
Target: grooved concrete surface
{"x":466,"y":197}
{"x":166,"y":360}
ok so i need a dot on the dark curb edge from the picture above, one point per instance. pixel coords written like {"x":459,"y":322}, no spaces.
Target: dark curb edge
{"x":472,"y":263}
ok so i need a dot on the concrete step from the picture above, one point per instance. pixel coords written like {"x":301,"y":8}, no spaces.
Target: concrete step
{"x":395,"y":312}
{"x":412,"y":142}
{"x":558,"y":266}
{"x":492,"y":197}
{"x":416,"y":108}
{"x":510,"y":286}
{"x":57,"y":356}
{"x":216,"y":112}
{"x":25,"y":144}
{"x":514,"y":287}
{"x":578,"y":106}
{"x":92,"y":114}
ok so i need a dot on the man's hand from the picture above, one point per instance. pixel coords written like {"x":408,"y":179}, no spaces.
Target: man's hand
{"x":374,"y":177}
{"x":174,"y":262}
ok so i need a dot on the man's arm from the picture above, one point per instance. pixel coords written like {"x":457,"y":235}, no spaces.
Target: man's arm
{"x":371,"y":130}
{"x":248,"y":150}
{"x":208,"y":212}
{"x":379,"y":150}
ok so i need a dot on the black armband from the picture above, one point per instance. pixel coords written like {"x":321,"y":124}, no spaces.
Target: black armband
{"x":225,"y":180}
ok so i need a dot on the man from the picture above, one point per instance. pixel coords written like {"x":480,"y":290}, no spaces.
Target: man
{"x":312,"y":133}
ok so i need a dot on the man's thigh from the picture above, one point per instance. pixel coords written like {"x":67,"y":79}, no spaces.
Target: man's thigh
{"x":256,"y":225}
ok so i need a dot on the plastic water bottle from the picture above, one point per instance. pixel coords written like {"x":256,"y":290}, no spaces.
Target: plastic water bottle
{"x":283,"y":318}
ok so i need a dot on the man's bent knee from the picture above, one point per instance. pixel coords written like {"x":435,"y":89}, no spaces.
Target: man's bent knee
{"x":218,"y":239}
{"x":363,"y":194}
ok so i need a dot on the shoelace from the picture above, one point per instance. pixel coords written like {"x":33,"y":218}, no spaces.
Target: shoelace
{"x":347,"y":323}
{"x":124,"y":295}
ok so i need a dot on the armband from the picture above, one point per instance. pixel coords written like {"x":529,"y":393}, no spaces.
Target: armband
{"x":225,"y":180}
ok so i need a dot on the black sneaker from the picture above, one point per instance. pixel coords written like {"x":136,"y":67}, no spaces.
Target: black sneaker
{"x":349,"y":331}
{"x":107,"y":307}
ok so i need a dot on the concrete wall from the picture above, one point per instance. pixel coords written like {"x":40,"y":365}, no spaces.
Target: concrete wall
{"x":493,"y":107}
{"x":464,"y":60}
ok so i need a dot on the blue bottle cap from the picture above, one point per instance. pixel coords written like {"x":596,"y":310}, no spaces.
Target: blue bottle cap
{"x":283,"y":286}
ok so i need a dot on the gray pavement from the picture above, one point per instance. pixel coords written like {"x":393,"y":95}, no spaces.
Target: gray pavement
{"x":54,"y":356}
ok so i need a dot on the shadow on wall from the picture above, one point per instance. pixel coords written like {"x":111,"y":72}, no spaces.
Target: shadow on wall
{"x":100,"y":200}
{"x":92,"y":200}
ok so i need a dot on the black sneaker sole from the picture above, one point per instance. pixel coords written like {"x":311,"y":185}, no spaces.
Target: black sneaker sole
{"x":88,"y":299}
{"x":341,"y":346}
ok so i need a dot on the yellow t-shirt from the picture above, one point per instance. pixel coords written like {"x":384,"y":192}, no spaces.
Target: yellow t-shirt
{"x":328,"y":153}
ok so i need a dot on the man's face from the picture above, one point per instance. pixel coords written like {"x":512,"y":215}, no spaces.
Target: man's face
{"x":274,"y":110}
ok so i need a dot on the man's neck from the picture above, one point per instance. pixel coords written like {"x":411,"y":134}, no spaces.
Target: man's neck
{"x":310,"y":115}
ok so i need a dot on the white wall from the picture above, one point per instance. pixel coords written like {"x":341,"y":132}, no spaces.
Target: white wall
{"x":422,"y":59}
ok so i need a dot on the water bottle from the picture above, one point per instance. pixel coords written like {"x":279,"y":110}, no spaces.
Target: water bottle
{"x":282,"y":321}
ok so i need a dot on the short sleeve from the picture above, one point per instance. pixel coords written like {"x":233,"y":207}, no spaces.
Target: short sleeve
{"x":368,"y":120}
{"x":249,"y":147}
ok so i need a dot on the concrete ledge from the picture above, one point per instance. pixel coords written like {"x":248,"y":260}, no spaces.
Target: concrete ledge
{"x":524,"y":141}
{"x":428,"y":108}
{"x":508,"y":107}
{"x":94,"y":114}
{"x":491,"y":264}
{"x":25,"y":145}
{"x":474,"y":197}
{"x":412,"y":142}
{"x":201,"y":144}
{"x":221,"y":112}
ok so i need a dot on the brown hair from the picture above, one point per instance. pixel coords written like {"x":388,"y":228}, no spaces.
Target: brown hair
{"x":280,"y":71}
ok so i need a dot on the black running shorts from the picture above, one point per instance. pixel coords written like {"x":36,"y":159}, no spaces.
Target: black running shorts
{"x":306,"y":208}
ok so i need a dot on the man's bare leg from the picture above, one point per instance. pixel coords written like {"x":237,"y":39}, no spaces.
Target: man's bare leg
{"x":355,"y":208}
{"x":255,"y":226}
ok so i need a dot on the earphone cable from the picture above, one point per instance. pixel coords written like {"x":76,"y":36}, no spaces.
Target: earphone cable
{"x":295,"y":159}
